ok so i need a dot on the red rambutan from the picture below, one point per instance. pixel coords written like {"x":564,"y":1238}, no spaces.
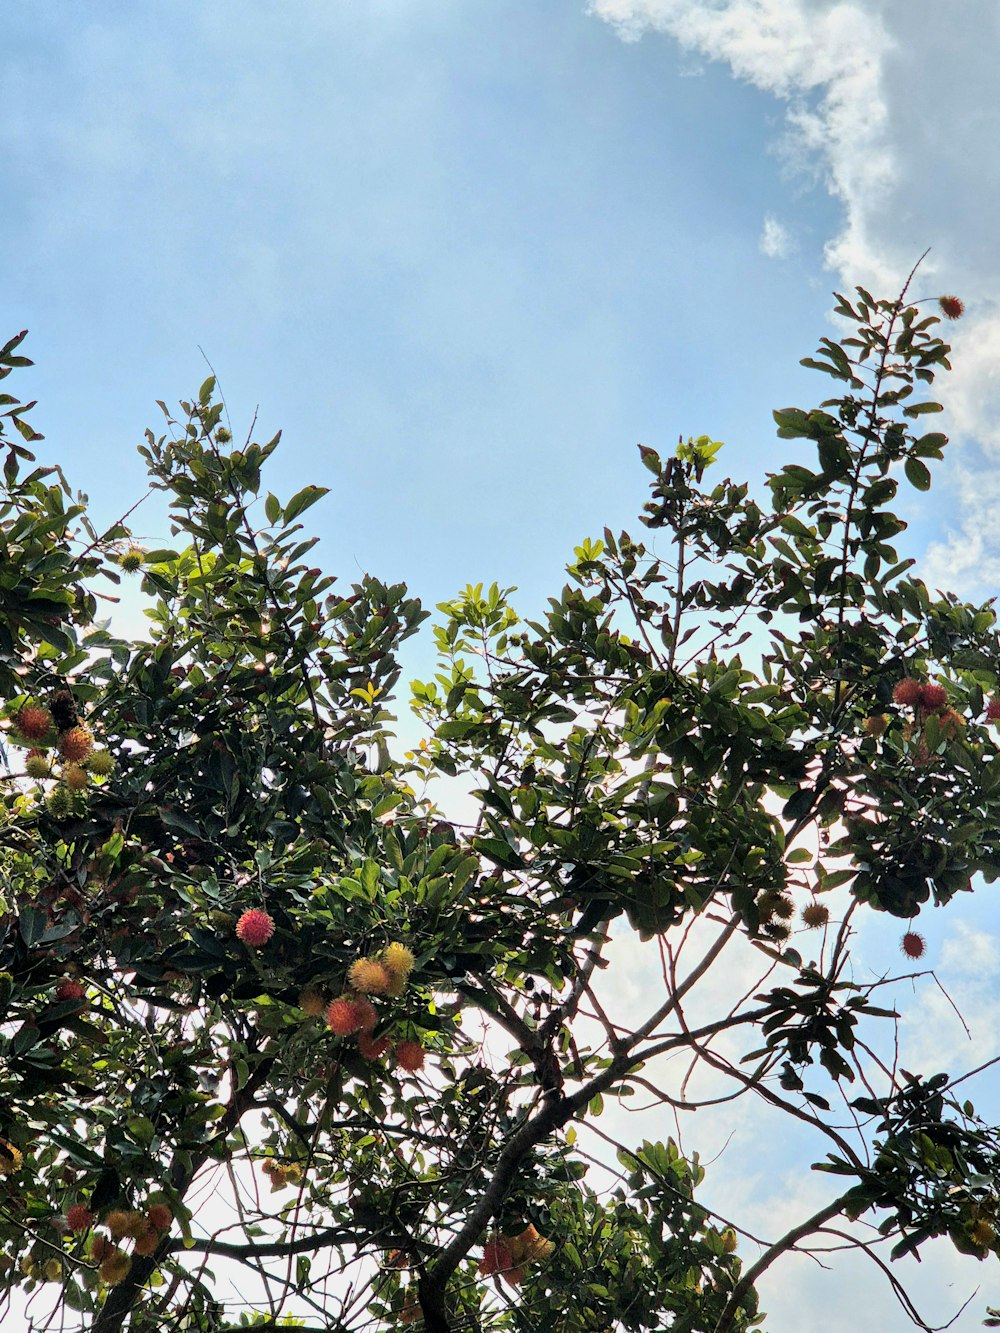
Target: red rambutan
{"x":913,"y":945}
{"x":79,"y":1217}
{"x":497,"y":1257}
{"x":951,"y":306}
{"x":373,"y":1048}
{"x":933,"y":697}
{"x":255,"y":927}
{"x":69,"y":989}
{"x":342,"y":1017}
{"x":993,"y":711}
{"x":410,"y":1056}
{"x":907,"y":692}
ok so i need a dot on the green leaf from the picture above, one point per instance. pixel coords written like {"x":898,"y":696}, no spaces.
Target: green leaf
{"x":917,"y":474}
{"x":301,"y":501}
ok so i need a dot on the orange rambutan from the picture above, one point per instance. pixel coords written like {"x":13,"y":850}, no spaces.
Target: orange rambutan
{"x":100,"y":1248}
{"x":410,"y":1056}
{"x":370,"y":977}
{"x":951,"y":306}
{"x":255,"y":927}
{"x":913,"y":945}
{"x":159,"y":1216}
{"x":33,"y":722}
{"x":75,"y":745}
{"x":146,"y":1244}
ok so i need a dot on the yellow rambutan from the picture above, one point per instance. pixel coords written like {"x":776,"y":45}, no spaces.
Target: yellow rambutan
{"x":75,"y":777}
{"x":115,"y":1268}
{"x":398,"y":960}
{"x":369,"y":977}
{"x":312,"y":1001}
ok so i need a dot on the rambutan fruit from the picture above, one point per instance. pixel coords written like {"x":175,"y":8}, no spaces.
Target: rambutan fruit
{"x":75,"y":777}
{"x":497,"y":1257}
{"x":951,"y":723}
{"x":115,"y":1268}
{"x":342,"y":1017}
{"x":951,"y":307}
{"x":815,"y":915}
{"x":101,"y":763}
{"x":130,"y":560}
{"x":52,"y":1269}
{"x":398,"y":960}
{"x":255,"y":927}
{"x":529,"y":1246}
{"x":373,"y":1048}
{"x":11,"y":1158}
{"x":410,"y":1056}
{"x":75,"y":744}
{"x":993,"y":711}
{"x":79,"y":1217}
{"x":369,"y":977}
{"x":159,"y":1216}
{"x":875,"y":725}
{"x":100,"y":1248}
{"x":913,"y":945}
{"x":782,"y":907}
{"x":907,"y":692}
{"x":933,"y":697}
{"x":34,"y":723}
{"x":146,"y":1244}
{"x":983,"y":1233}
{"x":70,"y":989}
{"x":366,"y":1012}
{"x":118,"y":1222}
{"x":776,"y":931}
{"x":312,"y":1001}
{"x":36,"y":764}
{"x":412,"y":1312}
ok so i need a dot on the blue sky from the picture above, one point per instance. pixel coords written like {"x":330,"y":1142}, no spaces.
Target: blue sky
{"x":468,"y":253}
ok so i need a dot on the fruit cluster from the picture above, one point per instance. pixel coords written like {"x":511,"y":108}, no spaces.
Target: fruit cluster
{"x":508,"y":1256}
{"x":60,"y":749}
{"x":144,"y":1229}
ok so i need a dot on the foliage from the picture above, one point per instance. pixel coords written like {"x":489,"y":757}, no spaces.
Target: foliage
{"x":635,"y":775}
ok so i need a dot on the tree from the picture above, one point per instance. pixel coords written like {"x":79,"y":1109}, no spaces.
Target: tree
{"x":245,"y":945}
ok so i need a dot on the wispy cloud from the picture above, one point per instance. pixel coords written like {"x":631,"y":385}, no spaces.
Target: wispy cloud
{"x":775,"y":238}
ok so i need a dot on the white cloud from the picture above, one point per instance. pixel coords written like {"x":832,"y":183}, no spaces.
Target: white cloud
{"x":897,"y":116}
{"x":775,"y":238}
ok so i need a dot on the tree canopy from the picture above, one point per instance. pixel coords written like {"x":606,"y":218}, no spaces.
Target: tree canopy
{"x":281,"y":1018}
